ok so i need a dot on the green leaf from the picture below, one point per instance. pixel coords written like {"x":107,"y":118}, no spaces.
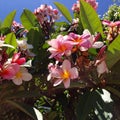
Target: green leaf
{"x":31,"y":111}
{"x":11,"y":40}
{"x":28,"y":19}
{"x":113,"y":53}
{"x":86,"y":104}
{"x":64,"y":11}
{"x":34,"y":38}
{"x":113,"y":90}
{"x":89,"y":18}
{"x":93,"y":102}
{"x":9,"y":19}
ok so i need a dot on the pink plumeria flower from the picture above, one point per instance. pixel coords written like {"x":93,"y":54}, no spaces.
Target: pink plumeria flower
{"x":90,"y":42}
{"x":21,"y":75}
{"x":78,"y":39}
{"x":60,"y":46}
{"x":9,"y":70}
{"x":64,"y":74}
{"x":110,"y":24}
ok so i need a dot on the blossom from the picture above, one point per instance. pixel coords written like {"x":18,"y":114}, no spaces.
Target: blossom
{"x":16,"y":59}
{"x":78,"y":39}
{"x":64,"y":74}
{"x":23,"y":45}
{"x":76,"y":6}
{"x":21,"y":75}
{"x":60,"y":46}
{"x":45,"y":13}
{"x":101,"y":67}
{"x":7,"y":71}
{"x":110,"y":23}
{"x":90,"y":42}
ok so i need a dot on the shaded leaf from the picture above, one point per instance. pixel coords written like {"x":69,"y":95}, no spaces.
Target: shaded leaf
{"x":31,"y":111}
{"x":34,"y":38}
{"x":85,"y":105}
{"x":113,"y":90}
{"x":113,"y":53}
{"x":64,"y":11}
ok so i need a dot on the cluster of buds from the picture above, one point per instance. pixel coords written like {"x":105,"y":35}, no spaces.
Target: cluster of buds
{"x":18,"y":29}
{"x":46,"y":16}
{"x":73,"y":59}
{"x":76,"y":6}
{"x":113,"y":29}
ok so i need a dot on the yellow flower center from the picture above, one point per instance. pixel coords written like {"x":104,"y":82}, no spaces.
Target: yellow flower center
{"x":62,"y":48}
{"x":18,"y":74}
{"x":78,"y":40}
{"x":66,"y":75}
{"x":24,"y":46}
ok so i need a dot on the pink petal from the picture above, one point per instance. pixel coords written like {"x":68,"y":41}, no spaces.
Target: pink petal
{"x":74,"y":73}
{"x":66,"y":65}
{"x":66,"y":83}
{"x":26,"y":76}
{"x":10,"y":71}
{"x":17,"y":81}
{"x":106,"y":22}
{"x":57,"y":82}
{"x":102,"y":68}
{"x":98,"y":44}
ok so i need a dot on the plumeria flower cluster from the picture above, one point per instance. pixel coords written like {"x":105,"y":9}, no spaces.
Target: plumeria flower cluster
{"x":72,"y":55}
{"x":46,"y":16}
{"x":113,"y":29}
{"x":76,"y":6}
{"x":13,"y":68}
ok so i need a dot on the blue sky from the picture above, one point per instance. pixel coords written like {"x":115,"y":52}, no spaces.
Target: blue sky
{"x":6,"y":6}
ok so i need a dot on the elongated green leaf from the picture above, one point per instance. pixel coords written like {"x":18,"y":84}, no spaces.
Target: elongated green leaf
{"x":31,"y":111}
{"x":94,"y":102}
{"x":9,"y":19}
{"x":11,"y":40}
{"x":86,"y":104}
{"x":113,"y":53}
{"x":34,"y":38}
{"x":64,"y":11}
{"x":89,"y":18}
{"x":113,"y":90}
{"x":28,"y":19}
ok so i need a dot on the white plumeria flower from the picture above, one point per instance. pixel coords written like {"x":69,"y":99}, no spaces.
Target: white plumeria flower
{"x":24,"y":45}
{"x":21,"y":75}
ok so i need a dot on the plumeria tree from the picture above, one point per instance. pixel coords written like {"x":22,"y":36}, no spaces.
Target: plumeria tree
{"x":60,"y":70}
